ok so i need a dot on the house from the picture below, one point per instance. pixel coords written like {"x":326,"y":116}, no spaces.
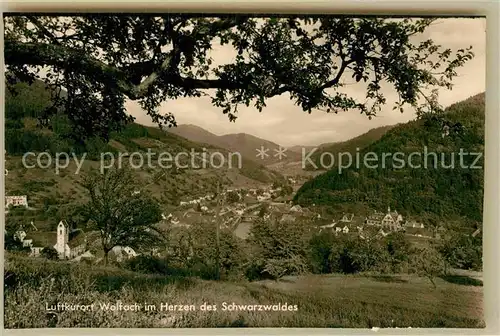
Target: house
{"x":419,"y":232}
{"x":16,"y":201}
{"x":392,"y":220}
{"x":347,"y":218}
{"x":415,"y":224}
{"x":327,"y":226}
{"x":27,"y":241}
{"x":296,"y":208}
{"x":345,"y":229}
{"x":20,"y":235}
{"x":375,"y":219}
{"x":124,"y":252}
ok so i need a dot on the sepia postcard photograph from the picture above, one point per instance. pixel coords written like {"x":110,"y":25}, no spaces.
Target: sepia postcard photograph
{"x":169,"y":170}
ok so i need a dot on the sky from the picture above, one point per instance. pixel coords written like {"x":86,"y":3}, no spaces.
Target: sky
{"x":286,"y":124}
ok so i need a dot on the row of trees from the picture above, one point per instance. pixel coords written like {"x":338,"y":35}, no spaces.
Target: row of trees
{"x":276,"y":249}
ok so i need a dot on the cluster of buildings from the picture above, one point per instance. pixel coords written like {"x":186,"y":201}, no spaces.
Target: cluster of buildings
{"x":68,"y":243}
{"x":196,"y":201}
{"x":383,"y":223}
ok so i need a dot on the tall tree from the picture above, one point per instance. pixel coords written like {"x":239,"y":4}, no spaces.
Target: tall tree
{"x":121,"y":216}
{"x":101,"y":60}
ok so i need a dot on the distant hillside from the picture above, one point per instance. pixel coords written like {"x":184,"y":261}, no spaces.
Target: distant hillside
{"x":197,"y":134}
{"x":299,"y":148}
{"x":437,"y":195}
{"x":243,"y":143}
{"x":53,"y":194}
{"x":349,"y":146}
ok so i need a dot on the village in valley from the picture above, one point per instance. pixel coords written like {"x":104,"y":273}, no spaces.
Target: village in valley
{"x":236,"y":216}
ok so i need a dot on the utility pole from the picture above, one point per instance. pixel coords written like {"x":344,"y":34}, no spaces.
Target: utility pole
{"x":217,"y":232}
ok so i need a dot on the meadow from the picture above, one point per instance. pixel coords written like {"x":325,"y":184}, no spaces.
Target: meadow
{"x":331,"y":301}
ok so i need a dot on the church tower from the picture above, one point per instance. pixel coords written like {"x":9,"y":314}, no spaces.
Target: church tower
{"x":62,"y":239}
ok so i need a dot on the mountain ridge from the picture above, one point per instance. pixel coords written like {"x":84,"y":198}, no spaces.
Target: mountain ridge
{"x":437,"y":195}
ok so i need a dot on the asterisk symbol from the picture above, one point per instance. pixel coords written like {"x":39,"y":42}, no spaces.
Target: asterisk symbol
{"x":262,"y":152}
{"x":280,"y":152}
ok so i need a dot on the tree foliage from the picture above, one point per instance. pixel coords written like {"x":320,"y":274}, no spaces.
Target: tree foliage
{"x":102,"y":60}
{"x":428,"y":262}
{"x":281,"y":248}
{"x":121,"y":216}
{"x":462,"y":251}
{"x":50,"y":253}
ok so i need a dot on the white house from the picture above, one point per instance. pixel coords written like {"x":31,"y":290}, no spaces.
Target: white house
{"x":413,"y":224}
{"x":327,"y":226}
{"x":124,"y":252}
{"x":16,"y":201}
{"x":296,"y":208}
{"x":347,"y":218}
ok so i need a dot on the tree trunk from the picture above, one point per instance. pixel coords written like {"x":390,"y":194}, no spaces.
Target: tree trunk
{"x":432,"y":281}
{"x":106,"y":252}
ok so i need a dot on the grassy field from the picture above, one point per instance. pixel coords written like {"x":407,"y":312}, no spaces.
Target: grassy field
{"x":322,"y":301}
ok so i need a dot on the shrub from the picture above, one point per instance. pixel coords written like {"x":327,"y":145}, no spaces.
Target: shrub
{"x":232,"y":197}
{"x":462,"y":251}
{"x":50,"y":253}
{"x":281,"y":248}
{"x":320,"y":249}
{"x":354,"y":255}
{"x":147,"y":264}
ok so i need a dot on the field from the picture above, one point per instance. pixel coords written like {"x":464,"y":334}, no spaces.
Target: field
{"x":334,"y":301}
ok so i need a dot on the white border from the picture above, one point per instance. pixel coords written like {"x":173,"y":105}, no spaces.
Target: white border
{"x":491,"y":218}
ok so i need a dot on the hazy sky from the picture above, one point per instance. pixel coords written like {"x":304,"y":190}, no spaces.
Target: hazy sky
{"x":286,"y":124}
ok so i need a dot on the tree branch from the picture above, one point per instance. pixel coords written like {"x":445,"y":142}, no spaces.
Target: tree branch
{"x":336,"y":80}
{"x":18,"y":53}
{"x":43,"y":30}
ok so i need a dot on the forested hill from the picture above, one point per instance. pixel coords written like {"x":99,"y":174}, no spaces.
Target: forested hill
{"x":349,"y":146}
{"x":436,"y":194}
